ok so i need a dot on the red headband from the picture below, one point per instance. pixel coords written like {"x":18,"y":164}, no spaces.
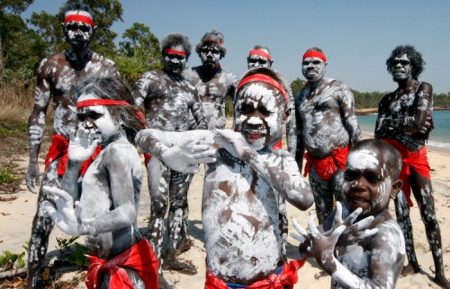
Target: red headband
{"x":105,"y":102}
{"x":260,"y":53}
{"x":176,"y":52}
{"x":266,"y":79}
{"x":315,"y":53}
{"x":79,"y":18}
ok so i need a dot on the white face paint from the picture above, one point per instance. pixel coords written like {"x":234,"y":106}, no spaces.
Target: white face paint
{"x":401,"y":68}
{"x":257,"y":61}
{"x":362,"y":159}
{"x":259,"y":116}
{"x":313,"y":69}
{"x":210,"y":55}
{"x":175,"y":63}
{"x":78,"y":33}
{"x":97,"y":117}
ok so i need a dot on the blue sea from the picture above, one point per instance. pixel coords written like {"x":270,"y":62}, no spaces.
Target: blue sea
{"x":440,"y":136}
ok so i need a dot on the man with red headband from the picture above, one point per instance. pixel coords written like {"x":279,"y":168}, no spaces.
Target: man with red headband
{"x":243,"y":179}
{"x":405,"y":121}
{"x":169,"y":99}
{"x":212,"y":82}
{"x":327,"y":126}
{"x":56,"y":77}
{"x":259,"y":56}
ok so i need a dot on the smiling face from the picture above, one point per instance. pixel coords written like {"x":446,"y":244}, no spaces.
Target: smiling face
{"x":210,"y":55}
{"x":367,"y":181}
{"x":175,"y":59}
{"x":78,"y":29}
{"x":401,"y":68}
{"x":260,"y":114}
{"x":313,"y":68}
{"x":97,"y":118}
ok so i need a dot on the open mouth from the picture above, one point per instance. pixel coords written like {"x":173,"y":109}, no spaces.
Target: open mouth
{"x":254,"y":135}
{"x":358,"y":201}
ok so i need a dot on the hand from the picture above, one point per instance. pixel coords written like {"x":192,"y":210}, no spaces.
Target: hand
{"x":233,"y":142}
{"x":62,"y":210}
{"x":353,"y":233}
{"x":83,"y":145}
{"x":427,"y":125}
{"x":186,"y":157}
{"x":32,"y":176}
{"x":304,"y":248}
{"x":323,"y":247}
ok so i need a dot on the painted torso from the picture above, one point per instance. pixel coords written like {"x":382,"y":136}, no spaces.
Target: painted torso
{"x":58,"y":80}
{"x":240,"y":219}
{"x":405,"y":106}
{"x":358,"y":258}
{"x":327,"y":117}
{"x":212,"y":92}
{"x":96,"y":198}
{"x":167,"y":101}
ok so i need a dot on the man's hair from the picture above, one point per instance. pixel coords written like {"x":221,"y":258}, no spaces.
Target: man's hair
{"x":415,"y":57}
{"x":315,"y":48}
{"x":391,"y":156}
{"x":262,"y":47}
{"x":174,"y":39}
{"x":114,"y":88}
{"x":212,"y":37}
{"x":77,"y":5}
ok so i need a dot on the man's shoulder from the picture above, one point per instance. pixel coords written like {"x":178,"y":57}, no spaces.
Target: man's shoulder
{"x":101,"y":58}
{"x":55,"y":59}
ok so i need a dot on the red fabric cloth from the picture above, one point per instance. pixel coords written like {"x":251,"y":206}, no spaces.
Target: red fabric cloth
{"x":147,"y":158}
{"x":287,"y":277}
{"x":327,"y":166}
{"x":139,"y":257}
{"x":278,"y":145}
{"x":417,"y":160}
{"x":59,"y":148}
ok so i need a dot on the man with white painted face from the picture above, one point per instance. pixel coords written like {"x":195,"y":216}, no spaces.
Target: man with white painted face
{"x":374,"y":258}
{"x":56,"y":76}
{"x":243,"y":179}
{"x":405,"y":121}
{"x":212,"y":82}
{"x":259,"y":56}
{"x":327,"y":127}
{"x":168,"y":99}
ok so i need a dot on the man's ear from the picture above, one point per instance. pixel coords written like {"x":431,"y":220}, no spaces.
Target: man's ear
{"x":287,"y":114}
{"x":396,"y":186}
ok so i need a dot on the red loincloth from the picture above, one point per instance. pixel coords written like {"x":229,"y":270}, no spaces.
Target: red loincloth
{"x":327,"y":166}
{"x":139,"y":258}
{"x":278,"y":145}
{"x":60,"y":148}
{"x":417,"y":160}
{"x":288,"y":277}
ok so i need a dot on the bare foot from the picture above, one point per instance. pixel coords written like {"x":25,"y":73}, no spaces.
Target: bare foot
{"x":185,"y":245}
{"x":410,"y":269}
{"x":442,"y":281}
{"x":185,"y":268}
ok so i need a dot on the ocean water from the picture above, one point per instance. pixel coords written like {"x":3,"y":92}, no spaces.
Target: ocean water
{"x":439,"y":137}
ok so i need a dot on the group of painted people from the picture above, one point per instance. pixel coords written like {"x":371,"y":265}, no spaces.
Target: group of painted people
{"x":93,"y":173}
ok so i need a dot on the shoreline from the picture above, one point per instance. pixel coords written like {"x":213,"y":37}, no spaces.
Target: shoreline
{"x":374,"y":110}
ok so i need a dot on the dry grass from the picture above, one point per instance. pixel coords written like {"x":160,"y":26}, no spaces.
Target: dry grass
{"x":16,"y":101}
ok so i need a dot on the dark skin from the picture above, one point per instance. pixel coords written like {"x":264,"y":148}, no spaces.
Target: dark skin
{"x":56,"y":76}
{"x":405,"y":116}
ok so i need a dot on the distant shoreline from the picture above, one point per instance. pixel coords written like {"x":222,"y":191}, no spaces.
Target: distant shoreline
{"x":367,"y":111}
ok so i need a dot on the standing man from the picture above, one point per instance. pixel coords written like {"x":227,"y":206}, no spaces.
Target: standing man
{"x":212,"y":82}
{"x":57,"y":75}
{"x":168,"y":100}
{"x":327,"y":126}
{"x":405,"y":121}
{"x":259,"y":56}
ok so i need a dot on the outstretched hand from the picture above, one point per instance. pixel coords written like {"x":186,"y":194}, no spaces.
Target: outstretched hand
{"x":83,"y":145}
{"x":187,"y":156}
{"x":354,"y":232}
{"x":233,"y":142}
{"x":32,"y":176}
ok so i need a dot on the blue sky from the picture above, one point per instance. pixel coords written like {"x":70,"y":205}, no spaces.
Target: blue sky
{"x":356,"y":35}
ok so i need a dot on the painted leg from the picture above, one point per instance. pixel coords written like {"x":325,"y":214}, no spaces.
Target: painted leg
{"x":403,"y":219}
{"x":178,"y":189}
{"x":323,"y":195}
{"x":40,"y":230}
{"x":337,"y":183}
{"x":284,"y":224}
{"x":423,"y":193}
{"x":158,"y":179}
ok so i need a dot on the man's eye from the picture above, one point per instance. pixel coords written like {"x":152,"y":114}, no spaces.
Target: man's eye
{"x":265,"y":111}
{"x":350,"y":175}
{"x":94,"y":115}
{"x":316,"y":62}
{"x":81,"y":116}
{"x":245,"y":108}
{"x":373,"y":178}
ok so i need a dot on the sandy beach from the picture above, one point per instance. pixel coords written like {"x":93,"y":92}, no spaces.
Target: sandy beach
{"x":16,"y":217}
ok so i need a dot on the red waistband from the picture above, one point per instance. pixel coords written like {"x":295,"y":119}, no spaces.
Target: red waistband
{"x":327,"y":166}
{"x":139,"y":257}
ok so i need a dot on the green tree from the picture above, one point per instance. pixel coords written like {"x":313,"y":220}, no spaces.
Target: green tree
{"x":297,"y":85}
{"x":48,"y":27}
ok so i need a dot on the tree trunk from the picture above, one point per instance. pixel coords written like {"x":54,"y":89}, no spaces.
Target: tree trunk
{"x":2,"y":66}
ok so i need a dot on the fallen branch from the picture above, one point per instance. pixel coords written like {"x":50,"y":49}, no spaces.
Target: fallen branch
{"x":12,"y":273}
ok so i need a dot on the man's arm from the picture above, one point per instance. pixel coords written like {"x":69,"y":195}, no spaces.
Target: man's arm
{"x":347,"y":109}
{"x":197,"y":111}
{"x":291,"y":126}
{"x":141,"y":88}
{"x":300,"y":147}
{"x":36,"y":124}
{"x":281,"y":172}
